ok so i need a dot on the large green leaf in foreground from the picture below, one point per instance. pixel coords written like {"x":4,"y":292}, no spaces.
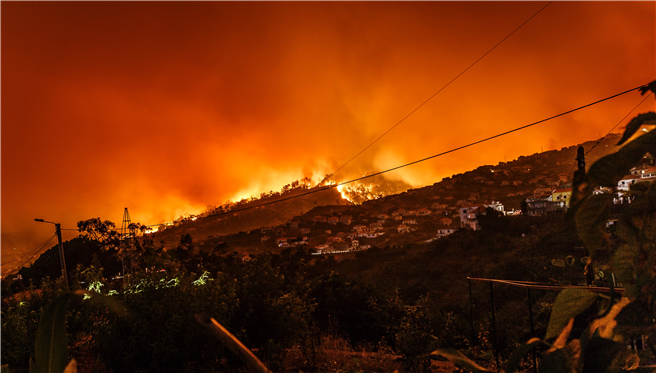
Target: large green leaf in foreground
{"x":570,"y":303}
{"x":50,"y":349}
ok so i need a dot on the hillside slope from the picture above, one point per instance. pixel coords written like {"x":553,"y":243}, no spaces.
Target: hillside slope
{"x":509,"y":183}
{"x":257,"y":214}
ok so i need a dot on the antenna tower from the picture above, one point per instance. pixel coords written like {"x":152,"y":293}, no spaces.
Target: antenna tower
{"x":126,"y":243}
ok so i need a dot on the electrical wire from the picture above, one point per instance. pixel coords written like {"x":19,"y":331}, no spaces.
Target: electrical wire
{"x":29,"y":252}
{"x":618,"y":123}
{"x":27,"y":261}
{"x":33,"y":251}
{"x":611,"y":130}
{"x":436,"y":93}
{"x":320,"y":189}
{"x":394,"y":168}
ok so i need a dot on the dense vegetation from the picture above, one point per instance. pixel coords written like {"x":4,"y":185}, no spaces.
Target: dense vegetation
{"x":408,"y":300}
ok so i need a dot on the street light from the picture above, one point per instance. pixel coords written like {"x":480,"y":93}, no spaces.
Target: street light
{"x":61,"y":248}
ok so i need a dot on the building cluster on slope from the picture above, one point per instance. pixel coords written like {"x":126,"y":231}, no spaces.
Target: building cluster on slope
{"x":469,"y":214}
{"x":539,"y":184}
{"x":643,"y":173}
{"x":543,"y":202}
{"x":338,"y":232}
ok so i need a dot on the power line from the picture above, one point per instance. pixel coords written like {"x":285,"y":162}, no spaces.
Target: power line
{"x":27,"y":261}
{"x":320,"y":189}
{"x":618,"y":123}
{"x":38,"y":249}
{"x":440,"y":90}
{"x":611,"y":130}
{"x":431,"y":157}
{"x":28,"y":253}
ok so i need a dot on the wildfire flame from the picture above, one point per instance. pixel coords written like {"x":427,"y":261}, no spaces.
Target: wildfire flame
{"x":341,"y":190}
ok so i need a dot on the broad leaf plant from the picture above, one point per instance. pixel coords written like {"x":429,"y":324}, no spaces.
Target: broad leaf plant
{"x":628,"y":254}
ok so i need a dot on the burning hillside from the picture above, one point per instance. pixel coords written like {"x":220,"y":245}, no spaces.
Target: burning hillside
{"x":371,"y":188}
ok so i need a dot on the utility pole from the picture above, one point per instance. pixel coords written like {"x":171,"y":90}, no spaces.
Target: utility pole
{"x":580,"y":158}
{"x":62,"y":260}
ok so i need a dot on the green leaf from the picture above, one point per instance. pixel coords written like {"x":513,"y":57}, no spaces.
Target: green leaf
{"x":573,"y":353}
{"x":600,"y":353}
{"x":553,"y":362}
{"x":112,"y":303}
{"x":232,"y":343}
{"x":460,"y":360}
{"x":570,"y":303}
{"x":582,"y":186}
{"x":561,"y":341}
{"x":591,"y":220}
{"x":604,"y":327}
{"x":520,"y":352}
{"x":633,"y":314}
{"x":648,"y":87}
{"x":610,"y":169}
{"x":632,"y":362}
{"x":644,"y":202}
{"x":624,"y":266}
{"x":51,"y":347}
{"x":635,"y":123}
{"x":71,"y":367}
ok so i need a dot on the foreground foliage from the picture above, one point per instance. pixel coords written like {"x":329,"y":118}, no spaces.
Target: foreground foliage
{"x":610,"y":321}
{"x":406,"y":301}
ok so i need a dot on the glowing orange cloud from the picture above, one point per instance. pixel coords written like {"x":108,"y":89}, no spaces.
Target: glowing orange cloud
{"x":167,"y":107}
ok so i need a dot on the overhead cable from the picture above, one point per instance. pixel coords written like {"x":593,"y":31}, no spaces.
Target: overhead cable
{"x":618,"y":123}
{"x":440,"y":90}
{"x":36,"y":249}
{"x":30,"y":258}
{"x":611,"y":130}
{"x":320,"y":189}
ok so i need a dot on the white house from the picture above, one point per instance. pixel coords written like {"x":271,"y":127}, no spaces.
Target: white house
{"x":469,"y":216}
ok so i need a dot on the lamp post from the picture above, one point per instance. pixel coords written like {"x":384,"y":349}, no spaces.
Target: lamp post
{"x":61,"y":248}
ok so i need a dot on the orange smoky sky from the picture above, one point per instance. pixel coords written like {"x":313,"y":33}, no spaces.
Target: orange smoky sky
{"x":166,"y":107}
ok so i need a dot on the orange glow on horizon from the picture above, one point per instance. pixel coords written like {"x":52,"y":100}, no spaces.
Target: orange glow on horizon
{"x":242,"y":98}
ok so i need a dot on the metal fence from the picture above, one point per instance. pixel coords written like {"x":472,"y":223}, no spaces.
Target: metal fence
{"x":528,"y":286}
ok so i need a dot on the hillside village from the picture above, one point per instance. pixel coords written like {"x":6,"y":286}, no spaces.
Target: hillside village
{"x":374,"y":263}
{"x":540,"y":182}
